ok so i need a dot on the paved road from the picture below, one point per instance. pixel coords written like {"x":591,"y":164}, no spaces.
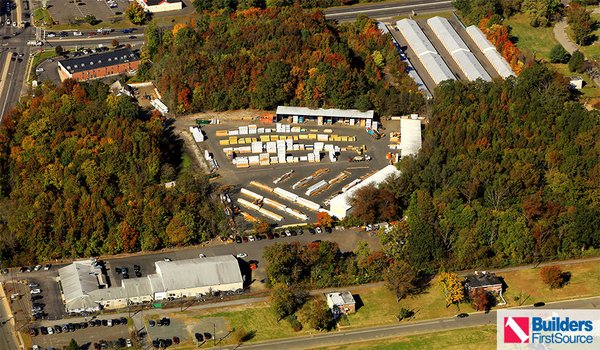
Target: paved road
{"x":386,"y":9}
{"x":430,"y":326}
{"x":560,"y":34}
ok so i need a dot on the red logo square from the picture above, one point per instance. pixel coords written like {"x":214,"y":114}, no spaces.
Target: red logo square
{"x":516,"y":330}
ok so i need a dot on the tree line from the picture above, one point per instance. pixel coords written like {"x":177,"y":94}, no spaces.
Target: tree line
{"x":264,"y":58}
{"x":82,"y":173}
{"x":508,"y":174}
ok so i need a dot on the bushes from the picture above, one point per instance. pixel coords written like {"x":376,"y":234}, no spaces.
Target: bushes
{"x":558,"y":54}
{"x":553,"y":276}
{"x":576,"y":62}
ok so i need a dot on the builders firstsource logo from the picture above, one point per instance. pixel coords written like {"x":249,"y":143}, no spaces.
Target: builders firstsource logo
{"x":549,"y":329}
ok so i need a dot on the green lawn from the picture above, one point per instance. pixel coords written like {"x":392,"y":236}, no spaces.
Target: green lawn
{"x":41,"y":16}
{"x":536,"y":40}
{"x":477,"y":338}
{"x":590,"y":90}
{"x":425,"y":15}
{"x":585,"y":282}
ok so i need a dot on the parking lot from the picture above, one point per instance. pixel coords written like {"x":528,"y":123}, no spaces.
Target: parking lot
{"x":66,"y":11}
{"x":85,"y":335}
{"x":337,"y":174}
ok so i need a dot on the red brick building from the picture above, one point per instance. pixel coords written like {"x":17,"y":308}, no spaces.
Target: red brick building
{"x":99,"y":65}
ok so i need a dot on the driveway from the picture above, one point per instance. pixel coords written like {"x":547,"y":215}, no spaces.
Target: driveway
{"x":560,"y":34}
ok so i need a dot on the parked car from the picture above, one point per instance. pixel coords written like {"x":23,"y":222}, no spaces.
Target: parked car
{"x":138,"y":274}
{"x":539,"y":304}
{"x":33,"y":285}
{"x":199,"y":337}
{"x":36,"y":291}
{"x":137,"y":267}
{"x":166,"y":321}
{"x":251,"y":238}
{"x":167,"y":259}
{"x":328,"y":229}
{"x":43,"y":330}
{"x":128,"y":343}
{"x":39,"y":70}
{"x":118,"y":270}
{"x":49,"y":34}
{"x":33,"y":332}
{"x":241,"y":255}
{"x":78,"y":33}
{"x":238,"y":239}
{"x":312,"y":231}
{"x":299,"y":231}
{"x":151,"y":323}
{"x":201,"y":255}
{"x":463,"y":315}
{"x":318,"y":230}
{"x":176,"y":340}
{"x":50,"y":330}
{"x":288,"y":233}
{"x":47,"y":267}
{"x":207,"y":335}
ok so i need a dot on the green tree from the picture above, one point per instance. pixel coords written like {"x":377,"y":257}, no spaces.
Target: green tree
{"x":576,"y":62}
{"x":59,"y":50}
{"x":72,"y":345}
{"x":271,"y":87}
{"x":136,"y":13}
{"x":378,"y":58}
{"x":541,"y":12}
{"x":558,"y":54}
{"x":316,"y":314}
{"x":285,"y":300}
{"x":90,"y":19}
{"x":423,"y":245}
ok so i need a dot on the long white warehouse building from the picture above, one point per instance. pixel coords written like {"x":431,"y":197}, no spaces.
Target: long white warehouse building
{"x":490,"y":52}
{"x":425,"y":51}
{"x":340,"y":204}
{"x":458,"y":49}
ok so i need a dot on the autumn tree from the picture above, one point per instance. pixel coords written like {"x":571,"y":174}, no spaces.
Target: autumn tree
{"x":581,"y":23}
{"x":400,"y":278}
{"x":115,"y":43}
{"x":371,"y":205}
{"x":59,"y":50}
{"x":552,"y":276}
{"x":480,"y":299}
{"x":452,"y":287}
{"x":324,"y":219}
{"x":262,"y":227}
{"x":316,"y":314}
{"x":136,"y":13}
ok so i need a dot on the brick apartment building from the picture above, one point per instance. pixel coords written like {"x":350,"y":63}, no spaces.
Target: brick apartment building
{"x":99,"y":65}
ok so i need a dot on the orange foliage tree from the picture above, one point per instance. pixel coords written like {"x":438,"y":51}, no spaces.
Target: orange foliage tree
{"x":499,"y":36}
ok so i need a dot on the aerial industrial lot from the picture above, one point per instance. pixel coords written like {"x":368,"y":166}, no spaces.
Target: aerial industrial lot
{"x":192,"y":174}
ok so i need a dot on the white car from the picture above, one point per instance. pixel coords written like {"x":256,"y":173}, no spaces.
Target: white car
{"x":8,"y":22}
{"x":50,"y":330}
{"x":241,"y":255}
{"x":167,"y":259}
{"x":201,"y":255}
{"x":36,"y":291}
{"x":77,"y":33}
{"x":39,"y":70}
{"x":37,"y":267}
{"x":251,"y":238}
{"x":318,"y":230}
{"x":128,"y":343}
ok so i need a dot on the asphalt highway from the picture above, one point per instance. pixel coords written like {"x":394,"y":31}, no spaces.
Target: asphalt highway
{"x":386,"y":9}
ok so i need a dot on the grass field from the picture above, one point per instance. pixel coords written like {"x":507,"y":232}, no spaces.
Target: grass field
{"x":425,"y":15}
{"x":585,"y":282}
{"x":477,"y":338}
{"x":536,"y":40}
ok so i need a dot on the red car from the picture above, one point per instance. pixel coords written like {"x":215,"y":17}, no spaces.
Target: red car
{"x":176,"y":340}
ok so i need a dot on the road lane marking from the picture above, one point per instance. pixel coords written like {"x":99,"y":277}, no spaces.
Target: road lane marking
{"x":402,"y":7}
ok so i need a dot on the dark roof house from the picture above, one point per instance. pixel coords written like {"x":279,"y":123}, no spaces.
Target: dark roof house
{"x":99,"y":65}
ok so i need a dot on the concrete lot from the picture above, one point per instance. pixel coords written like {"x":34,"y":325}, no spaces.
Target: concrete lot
{"x":241,"y":177}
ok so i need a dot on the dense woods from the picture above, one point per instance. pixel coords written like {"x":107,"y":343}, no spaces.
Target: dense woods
{"x":81,"y":174}
{"x":232,"y":5}
{"x":509,"y":173}
{"x":263,"y":58}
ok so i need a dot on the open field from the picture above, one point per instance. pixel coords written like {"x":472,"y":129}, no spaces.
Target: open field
{"x":536,"y":40}
{"x":477,"y":338}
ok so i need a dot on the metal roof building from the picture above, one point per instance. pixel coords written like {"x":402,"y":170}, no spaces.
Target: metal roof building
{"x":410,"y":136}
{"x":490,"y":52}
{"x":416,"y":39}
{"x":173,"y":279}
{"x":458,"y":49}
{"x":340,"y":204}
{"x":78,"y":280}
{"x":425,"y":51}
{"x":324,"y":112}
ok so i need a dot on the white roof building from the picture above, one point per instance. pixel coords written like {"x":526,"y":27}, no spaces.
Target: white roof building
{"x":173,"y":279}
{"x":410,"y":136}
{"x":458,"y":49}
{"x":340,"y":204}
{"x":77,"y":281}
{"x":425,"y":51}
{"x":324,"y":112}
{"x":414,"y":36}
{"x":490,"y":52}
{"x":341,"y":302}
